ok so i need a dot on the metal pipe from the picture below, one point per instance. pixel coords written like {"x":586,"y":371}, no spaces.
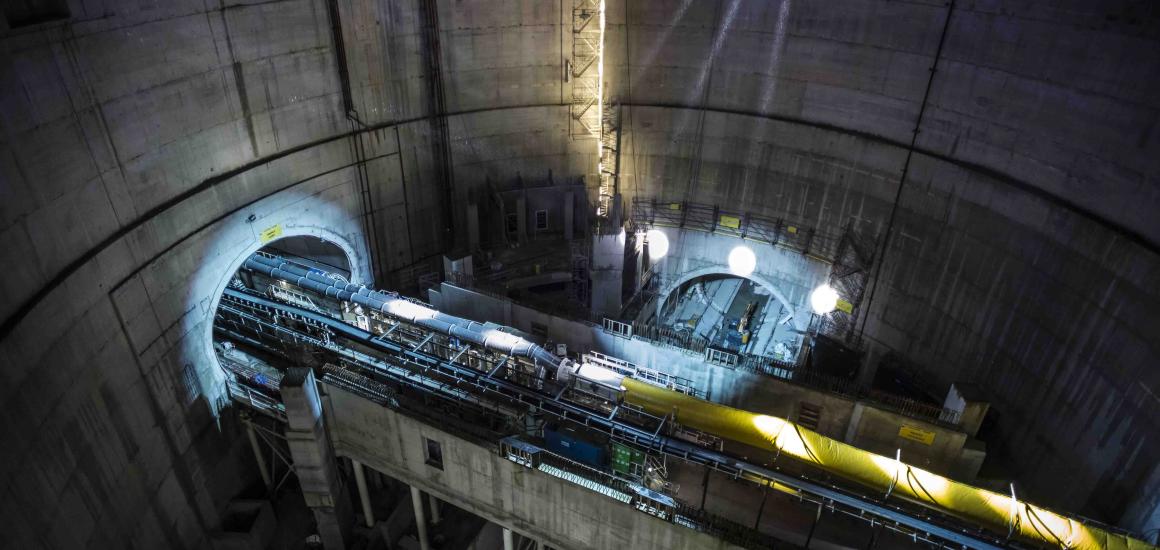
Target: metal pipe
{"x":420,"y":520}
{"x":363,"y":495}
{"x":509,"y":542}
{"x":489,"y":336}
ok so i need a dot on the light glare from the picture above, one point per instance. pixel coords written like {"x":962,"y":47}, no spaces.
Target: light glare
{"x":742,"y":261}
{"x":658,"y":244}
{"x":409,"y":310}
{"x":502,"y":339}
{"x":823,"y":299}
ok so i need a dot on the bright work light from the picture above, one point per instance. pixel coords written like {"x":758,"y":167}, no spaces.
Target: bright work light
{"x":658,"y":244}
{"x":823,"y":299}
{"x":742,"y":261}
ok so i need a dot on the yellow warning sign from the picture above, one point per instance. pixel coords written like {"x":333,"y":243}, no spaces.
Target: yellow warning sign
{"x":271,"y":233}
{"x":674,"y":206}
{"x":792,"y":230}
{"x":730,"y":221}
{"x":845,"y":306}
{"x":926,"y":437}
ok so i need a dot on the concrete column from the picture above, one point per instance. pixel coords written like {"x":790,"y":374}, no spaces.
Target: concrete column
{"x":363,"y":495}
{"x":420,"y":520}
{"x":314,"y":461}
{"x":435,"y":519}
{"x":607,"y":272}
{"x":257,"y":448}
{"x":509,"y":542}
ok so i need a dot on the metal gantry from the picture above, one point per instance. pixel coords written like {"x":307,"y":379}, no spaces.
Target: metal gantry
{"x":444,"y":372}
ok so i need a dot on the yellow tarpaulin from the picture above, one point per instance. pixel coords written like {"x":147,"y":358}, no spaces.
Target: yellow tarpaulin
{"x":989,"y":509}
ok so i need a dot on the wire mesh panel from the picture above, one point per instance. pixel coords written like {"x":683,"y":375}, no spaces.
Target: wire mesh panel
{"x":782,"y":232}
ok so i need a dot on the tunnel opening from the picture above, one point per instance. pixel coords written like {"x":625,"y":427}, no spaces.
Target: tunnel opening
{"x":253,"y":373}
{"x":727,"y":312}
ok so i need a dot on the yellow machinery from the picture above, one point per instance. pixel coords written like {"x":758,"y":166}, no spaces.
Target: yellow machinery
{"x":1001,"y":513}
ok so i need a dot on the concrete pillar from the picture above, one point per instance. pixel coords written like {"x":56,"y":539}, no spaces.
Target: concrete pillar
{"x":314,"y":461}
{"x":435,"y":519}
{"x":855,"y":422}
{"x":420,"y":520}
{"x":257,"y":448}
{"x":509,"y":542}
{"x":606,"y":272}
{"x":364,"y":496}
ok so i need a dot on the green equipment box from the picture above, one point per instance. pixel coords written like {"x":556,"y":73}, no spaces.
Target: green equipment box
{"x":626,"y":460}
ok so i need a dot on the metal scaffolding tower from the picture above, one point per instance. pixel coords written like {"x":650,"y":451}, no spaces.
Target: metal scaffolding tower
{"x":609,"y":163}
{"x":585,"y":67}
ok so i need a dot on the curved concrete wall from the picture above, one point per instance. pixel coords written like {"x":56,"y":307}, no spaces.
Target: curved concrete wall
{"x":143,"y":153}
{"x":1024,"y":236}
{"x":136,"y":143}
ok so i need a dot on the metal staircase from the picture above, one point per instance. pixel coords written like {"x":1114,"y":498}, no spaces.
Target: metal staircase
{"x":585,"y":482}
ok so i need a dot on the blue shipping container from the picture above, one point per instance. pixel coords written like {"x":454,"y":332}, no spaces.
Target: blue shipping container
{"x":566,"y":443}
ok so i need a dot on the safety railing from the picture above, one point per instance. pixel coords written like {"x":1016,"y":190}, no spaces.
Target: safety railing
{"x":914,"y":409}
{"x":654,"y":377}
{"x":782,"y":232}
{"x":669,"y":337}
{"x":721,"y":358}
{"x":623,"y":330}
{"x":615,"y":486}
{"x":257,"y":401}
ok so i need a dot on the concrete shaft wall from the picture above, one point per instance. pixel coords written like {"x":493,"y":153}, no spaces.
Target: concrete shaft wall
{"x":144,"y":150}
{"x":1022,"y":239}
{"x":139,"y":139}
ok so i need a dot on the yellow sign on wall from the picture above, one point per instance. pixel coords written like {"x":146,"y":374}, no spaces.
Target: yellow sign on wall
{"x":926,"y":437}
{"x":674,"y":206}
{"x":271,"y":233}
{"x":845,"y":306}
{"x":730,"y":221}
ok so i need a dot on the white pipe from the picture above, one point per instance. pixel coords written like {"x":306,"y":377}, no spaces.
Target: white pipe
{"x":363,"y":495}
{"x":420,"y":520}
{"x":258,"y":455}
{"x":509,"y":542}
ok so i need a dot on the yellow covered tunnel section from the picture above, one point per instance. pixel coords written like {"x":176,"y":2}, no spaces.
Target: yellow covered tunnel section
{"x":989,"y":509}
